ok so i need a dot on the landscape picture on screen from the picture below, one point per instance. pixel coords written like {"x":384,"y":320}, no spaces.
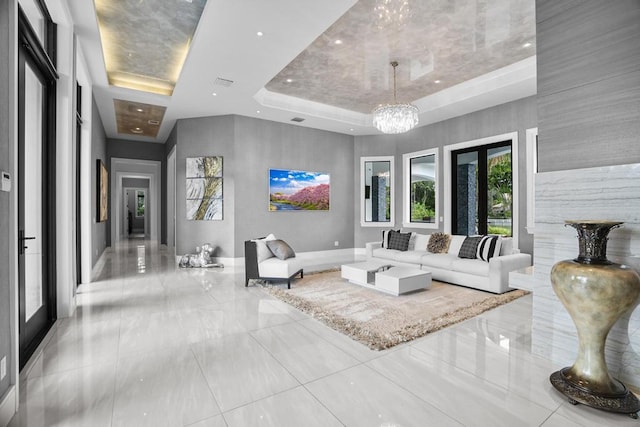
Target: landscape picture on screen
{"x":293,"y":190}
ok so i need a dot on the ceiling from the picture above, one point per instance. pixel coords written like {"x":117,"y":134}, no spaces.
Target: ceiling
{"x":324,"y":62}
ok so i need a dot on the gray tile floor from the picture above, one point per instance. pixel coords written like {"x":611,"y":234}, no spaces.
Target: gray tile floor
{"x":152,"y":345}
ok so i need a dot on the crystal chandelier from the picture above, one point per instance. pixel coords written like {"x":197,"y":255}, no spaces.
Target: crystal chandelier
{"x":395,"y":118}
{"x":388,"y":13}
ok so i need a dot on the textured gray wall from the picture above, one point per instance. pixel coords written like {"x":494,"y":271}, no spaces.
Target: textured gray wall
{"x":588,"y":83}
{"x":99,"y":230}
{"x":262,"y":145}
{"x":6,"y":23}
{"x":513,"y":116}
{"x":141,"y":151}
{"x":207,"y":136}
{"x":171,"y":141}
{"x":251,"y":147}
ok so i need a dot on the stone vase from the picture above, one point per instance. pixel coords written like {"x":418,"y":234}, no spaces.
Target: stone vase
{"x":596,"y":292}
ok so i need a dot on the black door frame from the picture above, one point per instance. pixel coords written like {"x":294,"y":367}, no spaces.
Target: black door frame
{"x":482,"y":183}
{"x":78,"y":181}
{"x":31,"y":51}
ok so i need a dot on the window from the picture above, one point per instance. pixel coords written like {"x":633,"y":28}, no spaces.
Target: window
{"x":482,"y":180}
{"x":139,"y":203}
{"x":376,"y":191}
{"x":420,"y":188}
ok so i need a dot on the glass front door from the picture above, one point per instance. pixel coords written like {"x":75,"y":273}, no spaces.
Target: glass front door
{"x":36,"y":183}
{"x":483,"y":190}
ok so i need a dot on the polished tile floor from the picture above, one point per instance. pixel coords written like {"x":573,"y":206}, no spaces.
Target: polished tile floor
{"x":153,"y":345}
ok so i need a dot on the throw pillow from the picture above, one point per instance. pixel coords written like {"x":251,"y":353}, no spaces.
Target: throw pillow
{"x":438,"y":243}
{"x":412,"y":241}
{"x":399,"y":241}
{"x":421,"y":242}
{"x":262,"y":251}
{"x":489,"y":247}
{"x":385,"y":237}
{"x":280,"y":249}
{"x":469,"y":247}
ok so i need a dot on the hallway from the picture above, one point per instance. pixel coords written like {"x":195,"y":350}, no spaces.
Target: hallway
{"x":154,"y":345}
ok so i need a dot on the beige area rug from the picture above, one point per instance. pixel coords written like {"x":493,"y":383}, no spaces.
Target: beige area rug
{"x":379,"y":320}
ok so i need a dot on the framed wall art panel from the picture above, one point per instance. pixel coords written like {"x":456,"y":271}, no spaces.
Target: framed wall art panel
{"x":204,"y":188}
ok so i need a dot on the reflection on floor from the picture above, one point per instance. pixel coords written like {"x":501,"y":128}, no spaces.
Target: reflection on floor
{"x":154,"y":345}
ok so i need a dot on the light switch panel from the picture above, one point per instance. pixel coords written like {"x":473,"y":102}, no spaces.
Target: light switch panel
{"x":6,"y":181}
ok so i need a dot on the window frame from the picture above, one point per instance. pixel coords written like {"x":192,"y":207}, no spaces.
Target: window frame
{"x":363,"y":183}
{"x":406,"y":189}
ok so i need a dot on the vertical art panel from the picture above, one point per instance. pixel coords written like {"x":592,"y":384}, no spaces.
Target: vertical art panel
{"x":204,"y":188}
{"x":102,"y":210}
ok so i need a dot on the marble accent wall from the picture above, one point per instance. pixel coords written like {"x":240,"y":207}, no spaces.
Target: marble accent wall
{"x":611,"y":193}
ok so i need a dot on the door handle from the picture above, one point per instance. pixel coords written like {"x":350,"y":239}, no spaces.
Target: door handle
{"x":21,"y":239}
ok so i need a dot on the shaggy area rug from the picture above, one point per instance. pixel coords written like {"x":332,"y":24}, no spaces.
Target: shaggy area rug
{"x":382,"y":321}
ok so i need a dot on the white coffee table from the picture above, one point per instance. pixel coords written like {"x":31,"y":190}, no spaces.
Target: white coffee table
{"x":400,"y":280}
{"x":362,"y":273}
{"x":386,"y":278}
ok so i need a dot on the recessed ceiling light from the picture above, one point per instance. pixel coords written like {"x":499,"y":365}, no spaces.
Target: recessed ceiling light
{"x":338,"y":41}
{"x":351,"y":129}
{"x":214,"y":94}
{"x":436,"y":81}
{"x":289,"y":80}
{"x":139,"y":110}
{"x":259,"y":34}
{"x":136,"y":130}
{"x":258,"y":111}
{"x":526,"y":45}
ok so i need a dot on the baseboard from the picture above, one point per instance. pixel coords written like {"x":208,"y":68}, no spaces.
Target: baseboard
{"x":314,"y":256}
{"x":328,"y":254}
{"x":8,"y":406}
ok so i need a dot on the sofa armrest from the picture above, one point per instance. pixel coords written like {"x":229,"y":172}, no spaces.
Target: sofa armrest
{"x":499,"y":268}
{"x":370,"y":246}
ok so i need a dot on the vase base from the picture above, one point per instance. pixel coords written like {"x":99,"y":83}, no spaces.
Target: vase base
{"x":625,"y":403}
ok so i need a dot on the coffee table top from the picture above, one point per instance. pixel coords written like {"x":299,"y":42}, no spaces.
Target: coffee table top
{"x":369,"y":266}
{"x":404,"y":272}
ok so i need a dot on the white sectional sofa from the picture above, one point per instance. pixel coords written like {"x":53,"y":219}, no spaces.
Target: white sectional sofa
{"x":492,"y":276}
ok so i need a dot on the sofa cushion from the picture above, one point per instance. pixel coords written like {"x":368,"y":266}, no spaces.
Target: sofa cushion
{"x":475,"y":267}
{"x":399,"y":241}
{"x":443,"y":261}
{"x":262,"y":251}
{"x":488,"y":247}
{"x":455,"y":243}
{"x":412,"y":242}
{"x":280,"y":249}
{"x":277,"y":268}
{"x":469,"y":247}
{"x":438,"y":243}
{"x":410,"y":257}
{"x":421,"y":242}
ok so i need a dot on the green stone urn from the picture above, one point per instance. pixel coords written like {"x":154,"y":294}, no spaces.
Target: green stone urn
{"x":596,"y":292}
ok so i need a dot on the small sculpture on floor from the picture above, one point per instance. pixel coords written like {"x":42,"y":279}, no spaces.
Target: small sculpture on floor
{"x":201,"y":259}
